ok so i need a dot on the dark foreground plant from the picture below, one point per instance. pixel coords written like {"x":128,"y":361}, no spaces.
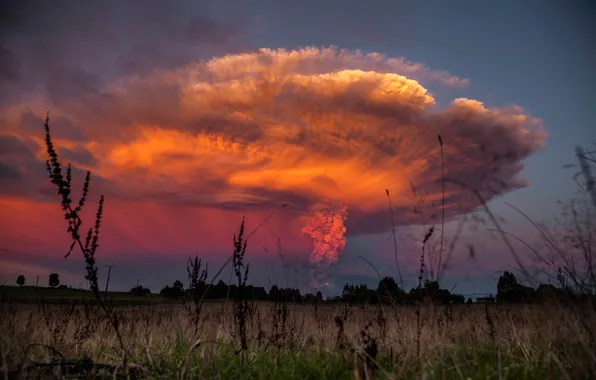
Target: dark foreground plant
{"x":72,"y":215}
{"x":242,"y":306}
{"x":419,"y":323}
{"x":197,"y":287}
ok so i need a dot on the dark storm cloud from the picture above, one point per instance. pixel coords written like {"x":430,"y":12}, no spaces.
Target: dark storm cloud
{"x":30,"y":123}
{"x":23,"y":173}
{"x":78,"y":155}
{"x":66,"y":48}
{"x":12,"y":145}
{"x":8,"y":171}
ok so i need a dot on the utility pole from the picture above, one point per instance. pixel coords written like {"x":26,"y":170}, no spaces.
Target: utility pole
{"x":138,"y":279}
{"x":105,"y":295}
{"x":37,"y":281}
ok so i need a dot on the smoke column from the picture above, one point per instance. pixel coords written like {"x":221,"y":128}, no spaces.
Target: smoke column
{"x":325,"y":226}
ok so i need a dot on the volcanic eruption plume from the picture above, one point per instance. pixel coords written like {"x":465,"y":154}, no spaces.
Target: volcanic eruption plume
{"x":205,"y":142}
{"x":325,"y":226}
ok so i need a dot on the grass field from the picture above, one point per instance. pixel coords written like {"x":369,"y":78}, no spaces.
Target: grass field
{"x":290,"y":341}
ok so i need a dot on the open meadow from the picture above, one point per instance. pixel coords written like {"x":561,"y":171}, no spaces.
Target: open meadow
{"x":300,"y":341}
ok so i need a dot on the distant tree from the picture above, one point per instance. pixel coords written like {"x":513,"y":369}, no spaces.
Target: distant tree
{"x":319,"y":296}
{"x":469,"y":301}
{"x":218,"y":291}
{"x":547,"y":293}
{"x":292,"y":295}
{"x":54,"y":280}
{"x":178,"y":285}
{"x":525,"y":294}
{"x":275,"y":294}
{"x":309,"y":298}
{"x":348,"y":293}
{"x":388,"y":290}
{"x":260,"y":293}
{"x":140,"y":291}
{"x":21,"y":280}
{"x":457,"y":299}
{"x":166,"y":291}
{"x":415,"y":295}
{"x":433,"y":291}
{"x":360,"y":294}
{"x":175,"y":291}
{"x":507,"y":288}
{"x":510,"y":291}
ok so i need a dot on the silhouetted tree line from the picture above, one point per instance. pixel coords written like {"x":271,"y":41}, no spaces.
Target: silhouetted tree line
{"x":222,"y":291}
{"x":509,"y":290}
{"x":387,"y":292}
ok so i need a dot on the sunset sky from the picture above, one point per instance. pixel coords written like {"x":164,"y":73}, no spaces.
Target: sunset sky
{"x":191,"y":114}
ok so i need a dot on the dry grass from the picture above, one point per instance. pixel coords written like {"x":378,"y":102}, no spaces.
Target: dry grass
{"x":463,"y":341}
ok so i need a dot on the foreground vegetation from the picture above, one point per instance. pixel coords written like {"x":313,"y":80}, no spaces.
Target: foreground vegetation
{"x":291,"y":341}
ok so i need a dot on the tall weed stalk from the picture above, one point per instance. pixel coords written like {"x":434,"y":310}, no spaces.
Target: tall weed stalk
{"x":72,"y":215}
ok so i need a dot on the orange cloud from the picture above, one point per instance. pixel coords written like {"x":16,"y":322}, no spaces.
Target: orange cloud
{"x":254,"y":131}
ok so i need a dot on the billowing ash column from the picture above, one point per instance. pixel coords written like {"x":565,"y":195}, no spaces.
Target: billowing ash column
{"x":325,"y":226}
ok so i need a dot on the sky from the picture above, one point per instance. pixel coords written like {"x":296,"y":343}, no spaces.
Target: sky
{"x":193,"y":114}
